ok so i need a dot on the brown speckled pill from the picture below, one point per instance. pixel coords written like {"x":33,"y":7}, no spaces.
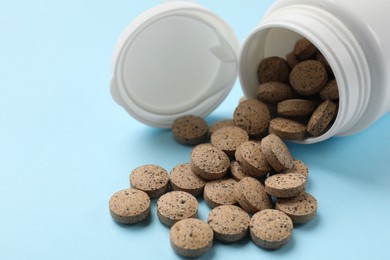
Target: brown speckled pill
{"x":301,"y":209}
{"x":287,"y":129}
{"x":129,"y":206}
{"x":299,"y":167}
{"x":285,"y":185}
{"x":274,"y":92}
{"x":176,"y":205}
{"x":270,"y":229}
{"x":209,"y":162}
{"x":273,"y":69}
{"x":253,"y":116}
{"x":252,"y":159}
{"x":219,"y":192}
{"x":229,"y":138}
{"x":152,"y":179}
{"x":320,"y":57}
{"x":276,"y":153}
{"x":321,"y":118}
{"x":189,"y":130}
{"x":330,"y":91}
{"x":251,"y":195}
{"x":229,"y":223}
{"x":295,"y":107}
{"x":219,"y":124}
{"x":191,"y":237}
{"x":237,"y":171}
{"x":308,"y":77}
{"x":292,"y":60}
{"x":304,"y":49}
{"x":183,"y":179}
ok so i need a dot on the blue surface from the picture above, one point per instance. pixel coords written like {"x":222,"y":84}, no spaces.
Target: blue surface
{"x":66,"y":147}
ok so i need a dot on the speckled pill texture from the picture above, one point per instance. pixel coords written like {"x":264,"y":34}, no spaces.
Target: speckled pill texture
{"x":299,"y":167}
{"x":273,"y":69}
{"x":229,"y":138}
{"x":182,"y":178}
{"x":253,"y":116}
{"x":321,"y":118}
{"x":191,"y":237}
{"x":209,"y":162}
{"x":276,"y":153}
{"x":220,"y":192}
{"x":285,"y":185}
{"x":152,"y":179}
{"x":301,"y":209}
{"x":287,"y":129}
{"x":189,"y":130}
{"x":229,"y":223}
{"x":308,"y":77}
{"x":252,"y":159}
{"x":236,"y":170}
{"x":270,"y":229}
{"x":295,"y":107}
{"x":330,"y":91}
{"x":292,"y":60}
{"x":219,"y":124}
{"x":274,"y":92}
{"x":129,"y":206}
{"x":304,"y":49}
{"x":251,"y":195}
{"x":176,"y":205}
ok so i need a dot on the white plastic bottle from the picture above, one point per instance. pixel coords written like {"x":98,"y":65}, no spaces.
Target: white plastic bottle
{"x":179,"y":58}
{"x":354,"y":38}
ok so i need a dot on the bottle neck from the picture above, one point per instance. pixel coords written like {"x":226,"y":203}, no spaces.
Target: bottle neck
{"x":277,"y":35}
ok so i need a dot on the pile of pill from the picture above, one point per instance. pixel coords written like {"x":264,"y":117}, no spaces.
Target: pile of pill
{"x":241,"y":167}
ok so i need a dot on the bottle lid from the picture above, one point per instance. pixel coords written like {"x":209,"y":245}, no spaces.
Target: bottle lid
{"x":175,"y":59}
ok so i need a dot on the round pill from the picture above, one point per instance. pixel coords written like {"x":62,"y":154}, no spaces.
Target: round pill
{"x":270,"y":229}
{"x":209,"y":162}
{"x":219,"y":124}
{"x":219,"y":192}
{"x":304,"y":49}
{"x":229,"y":138}
{"x":295,"y":107}
{"x":229,"y":223}
{"x":152,"y":179}
{"x":292,"y":60}
{"x":301,"y":209}
{"x":285,"y":185}
{"x":330,"y":91}
{"x":320,"y":57}
{"x":237,"y":171}
{"x":191,"y":237}
{"x":321,"y":118}
{"x":274,"y":92}
{"x":251,"y":195}
{"x":308,"y":77}
{"x":299,"y":167}
{"x":189,"y":130}
{"x":252,"y":159}
{"x":253,"y":116}
{"x":273,"y":69}
{"x":129,"y":206}
{"x":183,"y":179}
{"x":276,"y":153}
{"x":176,"y":205}
{"x":287,"y":129}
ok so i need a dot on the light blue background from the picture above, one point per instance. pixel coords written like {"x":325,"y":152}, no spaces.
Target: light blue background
{"x":66,"y":147}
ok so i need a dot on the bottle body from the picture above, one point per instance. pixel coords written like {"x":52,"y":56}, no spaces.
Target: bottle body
{"x":353,"y":39}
